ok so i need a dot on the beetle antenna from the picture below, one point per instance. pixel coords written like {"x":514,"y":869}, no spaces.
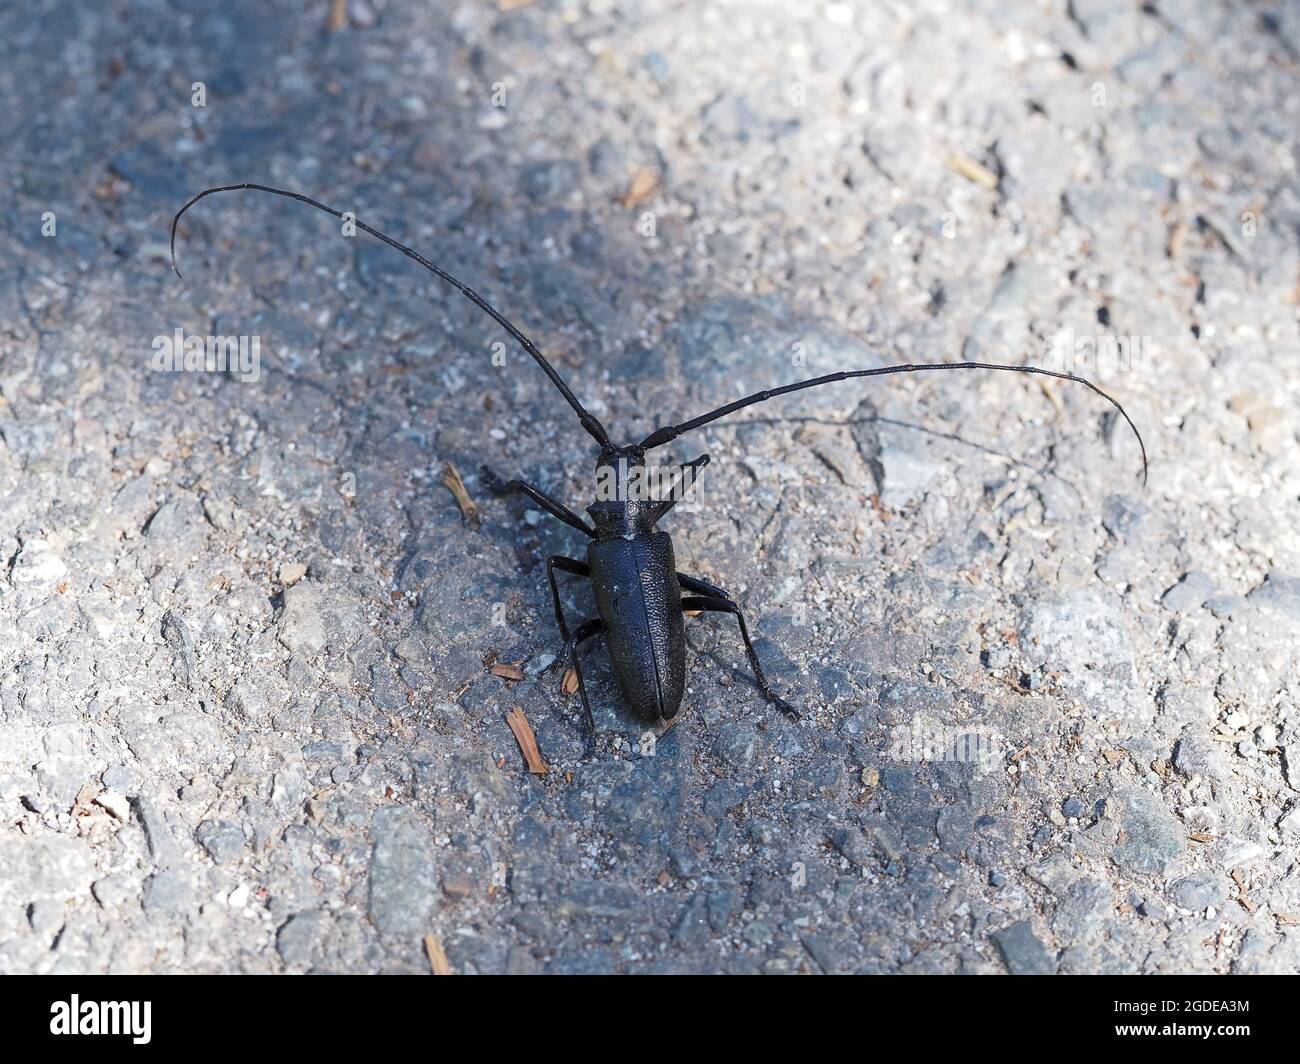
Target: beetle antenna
{"x":668,"y":433}
{"x":588,"y":421}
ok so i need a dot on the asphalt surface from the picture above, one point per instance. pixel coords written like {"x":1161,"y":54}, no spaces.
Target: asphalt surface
{"x":247,"y":717}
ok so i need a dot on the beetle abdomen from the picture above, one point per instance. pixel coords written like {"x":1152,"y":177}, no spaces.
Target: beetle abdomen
{"x":639,"y":601}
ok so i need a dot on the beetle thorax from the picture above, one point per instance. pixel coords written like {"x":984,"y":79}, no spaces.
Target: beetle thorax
{"x":624,"y":504}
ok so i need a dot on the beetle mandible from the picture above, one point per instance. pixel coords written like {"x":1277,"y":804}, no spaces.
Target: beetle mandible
{"x":638,"y":590}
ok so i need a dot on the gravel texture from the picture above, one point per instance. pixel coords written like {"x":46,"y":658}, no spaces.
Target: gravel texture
{"x":1050,"y":717}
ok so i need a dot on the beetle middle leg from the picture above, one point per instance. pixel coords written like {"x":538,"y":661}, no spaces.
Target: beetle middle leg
{"x":719,"y":604}
{"x":585,"y":630}
{"x":565,"y":565}
{"x":552,"y":506}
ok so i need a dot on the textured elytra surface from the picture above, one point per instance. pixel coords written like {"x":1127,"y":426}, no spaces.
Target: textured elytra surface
{"x":245,"y":719}
{"x":635,"y":592}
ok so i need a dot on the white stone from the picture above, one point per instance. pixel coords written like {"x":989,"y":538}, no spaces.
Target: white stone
{"x":37,"y":565}
{"x":114,"y":804}
{"x":291,"y":573}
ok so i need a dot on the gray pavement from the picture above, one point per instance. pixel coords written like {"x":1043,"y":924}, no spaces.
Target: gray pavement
{"x":247,"y":722}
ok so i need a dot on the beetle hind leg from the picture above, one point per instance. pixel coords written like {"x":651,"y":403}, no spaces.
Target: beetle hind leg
{"x":718,"y":604}
{"x":696,"y":586}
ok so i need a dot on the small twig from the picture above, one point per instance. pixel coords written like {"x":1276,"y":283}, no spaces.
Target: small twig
{"x":468,"y":507}
{"x":437,"y":955}
{"x":971,"y":170}
{"x":644,"y":185}
{"x":1053,"y":398}
{"x":1243,"y":900}
{"x":527,"y":741}
{"x":569,"y":685}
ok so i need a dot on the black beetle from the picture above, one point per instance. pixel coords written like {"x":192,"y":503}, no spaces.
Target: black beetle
{"x":638,"y":591}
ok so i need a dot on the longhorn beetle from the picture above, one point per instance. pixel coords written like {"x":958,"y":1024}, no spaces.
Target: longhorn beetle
{"x":638,"y":590}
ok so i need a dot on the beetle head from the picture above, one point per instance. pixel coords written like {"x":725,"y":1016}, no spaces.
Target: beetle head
{"x":618,"y":473}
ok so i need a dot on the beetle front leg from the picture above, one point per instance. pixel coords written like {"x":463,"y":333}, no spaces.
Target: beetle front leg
{"x":716,"y":604}
{"x":552,"y":506}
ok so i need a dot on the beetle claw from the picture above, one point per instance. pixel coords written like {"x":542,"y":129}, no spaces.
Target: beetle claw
{"x":786,"y":708}
{"x":491,"y":480}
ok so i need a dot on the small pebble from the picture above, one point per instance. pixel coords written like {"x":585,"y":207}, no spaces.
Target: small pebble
{"x":291,"y":573}
{"x":114,"y":804}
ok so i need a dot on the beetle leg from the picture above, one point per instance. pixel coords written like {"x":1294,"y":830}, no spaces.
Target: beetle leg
{"x":701,"y":587}
{"x":679,"y":489}
{"x":717,"y":604}
{"x":565,"y":565}
{"x":553,"y":507}
{"x":585,"y":631}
